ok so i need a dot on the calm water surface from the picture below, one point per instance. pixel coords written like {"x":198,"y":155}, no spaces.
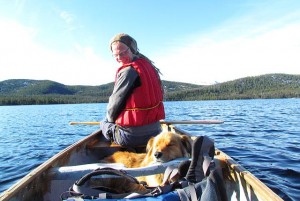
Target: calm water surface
{"x":262,"y":135}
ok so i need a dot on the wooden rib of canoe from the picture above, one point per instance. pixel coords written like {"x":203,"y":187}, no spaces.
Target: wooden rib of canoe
{"x":49,"y":180}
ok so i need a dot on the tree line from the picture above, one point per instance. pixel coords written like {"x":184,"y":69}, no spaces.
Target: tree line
{"x":29,"y":92}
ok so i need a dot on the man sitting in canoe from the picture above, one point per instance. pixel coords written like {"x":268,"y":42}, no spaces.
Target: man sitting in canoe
{"x":136,"y":103}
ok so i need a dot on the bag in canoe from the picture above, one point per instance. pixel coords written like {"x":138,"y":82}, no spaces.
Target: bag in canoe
{"x":192,"y":180}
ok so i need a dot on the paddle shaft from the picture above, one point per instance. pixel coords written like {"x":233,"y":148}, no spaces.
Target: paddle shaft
{"x":192,"y":122}
{"x":162,"y":122}
{"x":85,"y":123}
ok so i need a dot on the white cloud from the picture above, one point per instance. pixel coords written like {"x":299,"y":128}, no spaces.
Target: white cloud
{"x":233,"y":50}
{"x":67,"y":17}
{"x":69,"y":20}
{"x":217,"y":56}
{"x":22,"y":58}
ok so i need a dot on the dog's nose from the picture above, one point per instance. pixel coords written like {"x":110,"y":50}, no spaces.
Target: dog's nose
{"x":158,"y":154}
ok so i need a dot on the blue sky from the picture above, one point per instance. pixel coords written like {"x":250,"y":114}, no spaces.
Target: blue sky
{"x":195,"y":41}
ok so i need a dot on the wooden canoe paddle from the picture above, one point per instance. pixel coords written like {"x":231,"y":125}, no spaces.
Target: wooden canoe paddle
{"x":162,"y":122}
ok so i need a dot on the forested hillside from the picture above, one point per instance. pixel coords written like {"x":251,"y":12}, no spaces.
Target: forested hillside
{"x":27,"y":92}
{"x":265,"y":86}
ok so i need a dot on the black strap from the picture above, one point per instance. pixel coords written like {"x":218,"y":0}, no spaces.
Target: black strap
{"x":102,"y":171}
{"x":192,"y":192}
{"x":82,"y":188}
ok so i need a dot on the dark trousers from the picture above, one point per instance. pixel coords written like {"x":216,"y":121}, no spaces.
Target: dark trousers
{"x":131,"y":137}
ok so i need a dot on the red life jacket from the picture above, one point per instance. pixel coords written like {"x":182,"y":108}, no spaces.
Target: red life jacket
{"x":145,"y":104}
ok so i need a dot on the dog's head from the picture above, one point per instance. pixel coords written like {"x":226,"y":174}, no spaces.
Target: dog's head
{"x":167,"y":146}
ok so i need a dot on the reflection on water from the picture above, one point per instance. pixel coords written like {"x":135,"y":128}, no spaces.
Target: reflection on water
{"x":262,"y":135}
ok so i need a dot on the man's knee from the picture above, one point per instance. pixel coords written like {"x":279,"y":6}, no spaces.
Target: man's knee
{"x":107,"y":129}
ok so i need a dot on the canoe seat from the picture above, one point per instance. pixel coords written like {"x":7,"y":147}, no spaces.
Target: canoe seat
{"x":77,"y":171}
{"x":106,"y":144}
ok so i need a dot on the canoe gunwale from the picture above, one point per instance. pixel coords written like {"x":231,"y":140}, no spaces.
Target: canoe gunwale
{"x":263,"y":192}
{"x":52,"y":162}
{"x":237,"y":171}
{"x":234,"y":172}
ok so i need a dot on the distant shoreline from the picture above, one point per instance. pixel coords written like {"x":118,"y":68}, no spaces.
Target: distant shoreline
{"x":41,"y":92}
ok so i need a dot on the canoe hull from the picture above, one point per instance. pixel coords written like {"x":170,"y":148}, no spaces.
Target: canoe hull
{"x":55,"y":176}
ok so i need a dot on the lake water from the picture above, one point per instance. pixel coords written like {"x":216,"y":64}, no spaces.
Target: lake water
{"x":262,"y":135}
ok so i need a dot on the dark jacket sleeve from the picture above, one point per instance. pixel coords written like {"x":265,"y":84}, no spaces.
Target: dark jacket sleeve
{"x":127,"y":80}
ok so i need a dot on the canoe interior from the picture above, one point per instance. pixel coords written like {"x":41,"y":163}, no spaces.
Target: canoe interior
{"x":55,"y":176}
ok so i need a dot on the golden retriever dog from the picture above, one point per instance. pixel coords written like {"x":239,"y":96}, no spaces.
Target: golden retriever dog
{"x":162,"y":148}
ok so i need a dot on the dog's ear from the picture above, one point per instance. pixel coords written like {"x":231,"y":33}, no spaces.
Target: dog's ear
{"x":186,"y":141}
{"x":149,"y":145}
